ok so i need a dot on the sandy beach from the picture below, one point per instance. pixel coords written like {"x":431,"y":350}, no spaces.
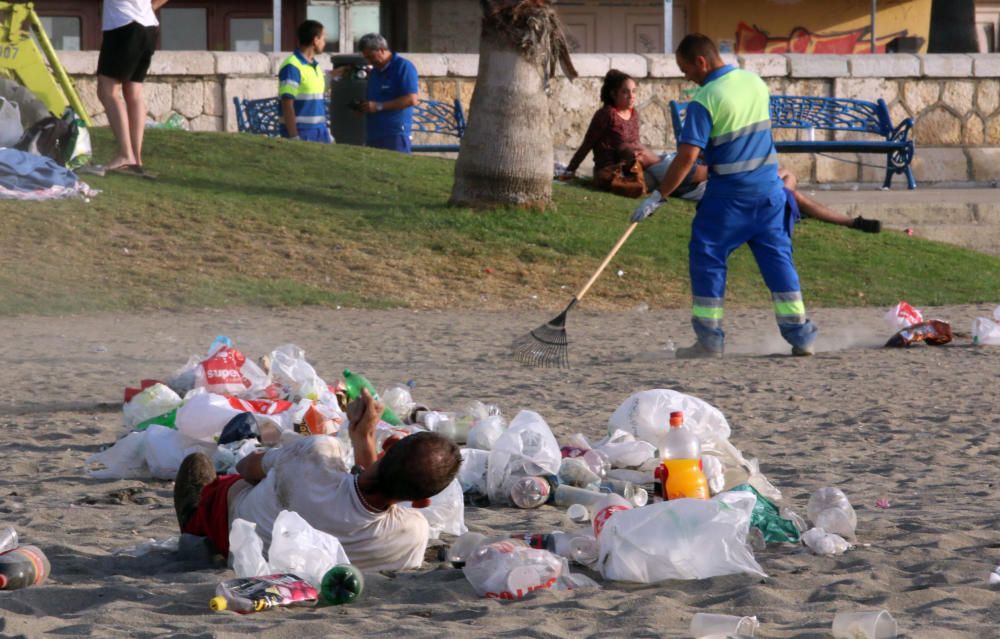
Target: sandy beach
{"x":919,"y":427}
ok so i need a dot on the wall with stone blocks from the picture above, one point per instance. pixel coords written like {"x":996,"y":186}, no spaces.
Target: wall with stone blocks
{"x":953,"y":99}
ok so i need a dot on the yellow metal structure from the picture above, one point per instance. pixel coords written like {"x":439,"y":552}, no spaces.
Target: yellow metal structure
{"x":21,"y":58}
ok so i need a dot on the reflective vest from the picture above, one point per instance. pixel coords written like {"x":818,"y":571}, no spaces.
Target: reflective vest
{"x":308,"y":91}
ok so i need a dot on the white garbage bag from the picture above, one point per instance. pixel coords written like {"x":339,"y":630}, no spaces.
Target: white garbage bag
{"x":10,"y":123}
{"x":485,"y":432}
{"x":151,"y":402}
{"x":204,"y":415}
{"x":472,"y":472}
{"x":289,"y":367}
{"x":527,"y":448}
{"x":247,"y":550}
{"x":298,"y":548}
{"x":986,"y":332}
{"x":446,"y":514}
{"x":822,"y":542}
{"x":165,"y":449}
{"x":125,"y":459}
{"x":828,"y":508}
{"x":510,"y":570}
{"x":680,"y":539}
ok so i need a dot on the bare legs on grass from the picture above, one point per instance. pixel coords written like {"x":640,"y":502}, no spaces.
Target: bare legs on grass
{"x":126,"y":111}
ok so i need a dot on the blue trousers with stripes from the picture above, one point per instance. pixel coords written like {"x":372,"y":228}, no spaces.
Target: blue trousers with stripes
{"x":723,"y":224}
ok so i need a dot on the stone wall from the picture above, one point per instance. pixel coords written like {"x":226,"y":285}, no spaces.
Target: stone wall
{"x":954,"y":99}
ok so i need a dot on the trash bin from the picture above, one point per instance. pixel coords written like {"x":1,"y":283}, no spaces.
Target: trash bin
{"x":347,"y":123}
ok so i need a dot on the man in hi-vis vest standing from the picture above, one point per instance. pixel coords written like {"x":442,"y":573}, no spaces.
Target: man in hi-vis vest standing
{"x":302,"y":88}
{"x":744,"y":203}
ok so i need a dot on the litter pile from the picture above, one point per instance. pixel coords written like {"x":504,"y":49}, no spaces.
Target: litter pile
{"x":664,"y":495}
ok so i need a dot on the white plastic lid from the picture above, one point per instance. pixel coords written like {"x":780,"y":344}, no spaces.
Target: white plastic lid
{"x":521,"y":579}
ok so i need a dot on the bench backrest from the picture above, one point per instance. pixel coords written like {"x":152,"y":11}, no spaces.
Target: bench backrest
{"x":429,"y":116}
{"x":805,"y":112}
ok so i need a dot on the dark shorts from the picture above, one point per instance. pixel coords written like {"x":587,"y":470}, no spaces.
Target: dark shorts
{"x":126,"y":52}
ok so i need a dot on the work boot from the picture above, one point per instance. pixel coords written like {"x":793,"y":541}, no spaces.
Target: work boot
{"x":195,"y":473}
{"x":696,"y":351}
{"x":803,"y":351}
{"x":868,"y":226}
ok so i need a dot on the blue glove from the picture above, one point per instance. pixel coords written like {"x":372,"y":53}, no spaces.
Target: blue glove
{"x":648,"y":207}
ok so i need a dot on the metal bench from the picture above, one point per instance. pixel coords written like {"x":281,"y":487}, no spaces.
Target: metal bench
{"x":263,"y":117}
{"x":838,"y":115}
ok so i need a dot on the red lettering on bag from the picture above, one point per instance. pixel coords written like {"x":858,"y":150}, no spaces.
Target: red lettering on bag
{"x":602,"y":518}
{"x":507,"y":595}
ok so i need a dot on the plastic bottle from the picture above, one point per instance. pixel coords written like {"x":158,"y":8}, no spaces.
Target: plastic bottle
{"x":355,"y":382}
{"x":609,"y":505}
{"x":682,"y":471}
{"x":530,"y":492}
{"x":22,"y":567}
{"x":566,"y":495}
{"x":342,"y":584}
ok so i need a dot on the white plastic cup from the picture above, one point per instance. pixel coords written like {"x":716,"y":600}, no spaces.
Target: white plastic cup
{"x":584,"y":550}
{"x":864,"y":624}
{"x":707,"y":624}
{"x":578,"y":514}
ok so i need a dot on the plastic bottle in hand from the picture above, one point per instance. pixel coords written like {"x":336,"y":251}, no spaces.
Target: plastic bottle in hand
{"x":682,"y":470}
{"x":530,"y":492}
{"x":22,"y":567}
{"x":355,"y":382}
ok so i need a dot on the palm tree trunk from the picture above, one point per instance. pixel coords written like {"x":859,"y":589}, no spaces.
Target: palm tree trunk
{"x":506,"y":153}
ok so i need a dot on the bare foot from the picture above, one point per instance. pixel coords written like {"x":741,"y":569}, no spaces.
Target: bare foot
{"x":118,"y":163}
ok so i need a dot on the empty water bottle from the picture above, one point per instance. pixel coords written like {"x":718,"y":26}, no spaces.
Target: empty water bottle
{"x":22,"y":567}
{"x":530,"y":492}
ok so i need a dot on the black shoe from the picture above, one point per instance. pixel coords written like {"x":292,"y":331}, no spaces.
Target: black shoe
{"x":195,"y":473}
{"x":868,"y":226}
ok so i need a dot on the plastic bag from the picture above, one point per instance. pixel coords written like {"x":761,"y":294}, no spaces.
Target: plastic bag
{"x":623,"y":450}
{"x":933,"y":332}
{"x":125,"y":459}
{"x":901,"y":316}
{"x":828,"y":508}
{"x":152,"y":402}
{"x":78,"y":147}
{"x":446,"y":514}
{"x":289,"y":367}
{"x":767,"y":518}
{"x":228,"y":371}
{"x":298,"y":548}
{"x":10,"y":123}
{"x":822,"y":542}
{"x":472,"y":472}
{"x":510,"y":570}
{"x":986,"y":332}
{"x":527,"y":448}
{"x":204,"y":415}
{"x":680,"y":539}
{"x":247,"y":550}
{"x":164,"y":450}
{"x":485,"y":432}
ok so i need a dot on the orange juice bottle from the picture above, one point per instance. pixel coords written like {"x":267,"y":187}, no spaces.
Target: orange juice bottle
{"x":682,"y":470}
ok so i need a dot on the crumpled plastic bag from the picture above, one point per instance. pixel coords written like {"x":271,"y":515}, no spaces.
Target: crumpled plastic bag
{"x":204,"y":415}
{"x":485,"y":432}
{"x":296,"y":547}
{"x":986,"y":331}
{"x":227,"y":371}
{"x":152,"y":402}
{"x":623,"y":450}
{"x":767,"y":518}
{"x":680,"y":539}
{"x":511,"y":570}
{"x":828,"y":508}
{"x":290,"y":368}
{"x":822,"y":542}
{"x":446,"y":513}
{"x":902,"y":316}
{"x":472,"y":472}
{"x":646,"y":415}
{"x":527,"y":448}
{"x":155,"y":452}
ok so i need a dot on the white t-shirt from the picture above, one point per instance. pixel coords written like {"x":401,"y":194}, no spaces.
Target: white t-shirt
{"x":310,"y":477}
{"x":118,"y":13}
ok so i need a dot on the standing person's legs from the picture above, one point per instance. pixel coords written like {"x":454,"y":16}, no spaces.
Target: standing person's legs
{"x":109,"y":93}
{"x":772,"y":248}
{"x":136,"y":108}
{"x":397,"y":142}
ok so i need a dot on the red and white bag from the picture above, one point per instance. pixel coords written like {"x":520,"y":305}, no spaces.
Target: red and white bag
{"x":228,"y":372}
{"x":903,"y":316}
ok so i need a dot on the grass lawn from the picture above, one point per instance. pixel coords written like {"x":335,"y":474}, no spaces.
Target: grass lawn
{"x":244,"y":220}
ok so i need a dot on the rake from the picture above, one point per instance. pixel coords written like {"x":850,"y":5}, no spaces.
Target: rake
{"x":547,"y":346}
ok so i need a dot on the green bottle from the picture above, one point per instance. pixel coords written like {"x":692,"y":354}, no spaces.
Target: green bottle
{"x":342,"y":584}
{"x":355,"y":382}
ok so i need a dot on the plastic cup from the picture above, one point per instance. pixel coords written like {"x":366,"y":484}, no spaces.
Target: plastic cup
{"x":584,"y":550}
{"x":578,"y":514}
{"x":864,"y":624}
{"x":707,"y":624}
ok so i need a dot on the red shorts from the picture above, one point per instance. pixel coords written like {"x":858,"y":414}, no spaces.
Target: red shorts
{"x":211,"y":518}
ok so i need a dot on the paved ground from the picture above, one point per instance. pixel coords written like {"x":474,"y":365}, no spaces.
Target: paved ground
{"x":968,"y":217}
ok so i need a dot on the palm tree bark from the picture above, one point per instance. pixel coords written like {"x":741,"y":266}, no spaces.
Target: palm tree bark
{"x":505,"y":157}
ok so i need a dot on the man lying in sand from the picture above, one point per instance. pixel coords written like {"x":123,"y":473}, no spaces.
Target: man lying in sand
{"x":358,"y":507}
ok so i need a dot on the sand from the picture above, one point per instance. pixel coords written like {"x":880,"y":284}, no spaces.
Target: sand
{"x":918,"y":427}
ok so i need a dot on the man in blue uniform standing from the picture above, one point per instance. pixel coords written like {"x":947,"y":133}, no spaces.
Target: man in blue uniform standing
{"x":744,"y":202}
{"x":302,"y":88}
{"x":392,"y":94}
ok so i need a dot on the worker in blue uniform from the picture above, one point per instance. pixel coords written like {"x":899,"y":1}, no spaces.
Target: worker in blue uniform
{"x":745,"y":202}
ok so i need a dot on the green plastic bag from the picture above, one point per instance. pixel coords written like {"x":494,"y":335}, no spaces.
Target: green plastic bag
{"x":768,"y":519}
{"x":166,"y":419}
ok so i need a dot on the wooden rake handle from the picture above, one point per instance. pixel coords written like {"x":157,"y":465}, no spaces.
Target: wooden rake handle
{"x":607,"y":260}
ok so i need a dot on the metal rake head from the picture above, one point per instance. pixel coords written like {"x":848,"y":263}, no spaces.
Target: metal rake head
{"x":545,"y":347}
